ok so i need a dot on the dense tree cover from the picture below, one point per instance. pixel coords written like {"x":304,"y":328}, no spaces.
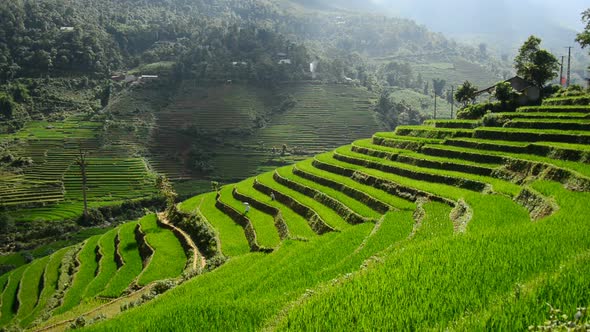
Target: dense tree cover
{"x":395,"y":113}
{"x":96,"y":37}
{"x":584,"y":37}
{"x":535,"y":64}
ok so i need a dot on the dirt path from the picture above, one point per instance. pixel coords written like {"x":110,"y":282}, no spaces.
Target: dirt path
{"x":199,"y":261}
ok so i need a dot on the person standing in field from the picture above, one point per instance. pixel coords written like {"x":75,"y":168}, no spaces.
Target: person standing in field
{"x":247,"y":209}
{"x":272,"y":195}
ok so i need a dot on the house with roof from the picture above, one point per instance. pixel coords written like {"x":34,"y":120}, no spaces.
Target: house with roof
{"x":527,"y":92}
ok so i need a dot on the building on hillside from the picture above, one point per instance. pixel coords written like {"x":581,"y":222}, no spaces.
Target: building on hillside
{"x":239,"y":63}
{"x":285,"y":62}
{"x":527,"y":91}
{"x":282,"y":55}
{"x":66,"y":29}
{"x":147,"y":77}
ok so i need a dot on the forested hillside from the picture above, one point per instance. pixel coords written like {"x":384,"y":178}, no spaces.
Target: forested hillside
{"x":234,"y":95}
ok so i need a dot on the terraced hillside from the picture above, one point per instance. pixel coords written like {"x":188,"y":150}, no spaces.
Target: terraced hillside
{"x":428,"y":227}
{"x":90,"y":275}
{"x":50,"y":188}
{"x":238,"y":131}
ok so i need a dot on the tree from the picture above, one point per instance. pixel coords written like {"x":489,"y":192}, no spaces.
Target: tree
{"x":584,"y":37}
{"x":81,"y":161}
{"x":503,"y":92}
{"x":535,"y":64}
{"x":466,"y":93}
{"x":438,"y":84}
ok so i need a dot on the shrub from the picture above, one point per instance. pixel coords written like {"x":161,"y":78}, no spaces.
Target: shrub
{"x":477,"y":111}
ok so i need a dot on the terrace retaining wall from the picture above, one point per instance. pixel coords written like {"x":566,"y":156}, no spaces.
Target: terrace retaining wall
{"x":279,"y":222}
{"x":317,"y":224}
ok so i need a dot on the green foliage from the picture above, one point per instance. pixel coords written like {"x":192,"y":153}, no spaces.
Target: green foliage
{"x":478,"y":111}
{"x":7,"y":106}
{"x":584,"y":37}
{"x":535,"y":64}
{"x":465,"y":93}
{"x":132,"y":264}
{"x":438,"y":85}
{"x":165,"y":245}
{"x":503,"y":92}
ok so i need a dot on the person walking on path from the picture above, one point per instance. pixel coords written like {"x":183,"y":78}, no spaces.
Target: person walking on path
{"x":247,"y":205}
{"x":272,"y":195}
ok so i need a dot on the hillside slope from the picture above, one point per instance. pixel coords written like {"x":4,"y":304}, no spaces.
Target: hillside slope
{"x":435,"y":226}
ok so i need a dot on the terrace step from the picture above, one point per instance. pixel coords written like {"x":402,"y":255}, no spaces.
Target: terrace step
{"x":405,"y":192}
{"x":265,"y":233}
{"x":244,"y":222}
{"x":430,"y":132}
{"x":459,"y":124}
{"x":275,"y":213}
{"x":316,"y":214}
{"x":402,"y":142}
{"x":372,"y":202}
{"x":532,"y":135}
{"x":575,"y":100}
{"x":425,"y":161}
{"x":556,"y":108}
{"x":412,"y":173}
{"x":297,"y":224}
{"x":340,"y":208}
{"x":550,"y":124}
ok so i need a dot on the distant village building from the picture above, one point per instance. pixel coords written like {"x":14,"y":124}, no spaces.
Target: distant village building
{"x":66,"y":29}
{"x":285,"y":62}
{"x":148,"y":77}
{"x":527,"y":91}
{"x":282,"y":55}
{"x":239,"y":63}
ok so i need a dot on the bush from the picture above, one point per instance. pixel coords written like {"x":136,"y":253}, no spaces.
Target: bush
{"x":477,"y":111}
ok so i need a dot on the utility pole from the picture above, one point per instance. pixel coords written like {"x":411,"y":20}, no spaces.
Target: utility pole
{"x":435,"y":105}
{"x":569,"y":59}
{"x":452,"y":100}
{"x":561,"y":71}
{"x":82,"y":163}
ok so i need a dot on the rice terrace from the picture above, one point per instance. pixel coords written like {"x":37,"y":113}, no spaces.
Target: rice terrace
{"x":293,"y":165}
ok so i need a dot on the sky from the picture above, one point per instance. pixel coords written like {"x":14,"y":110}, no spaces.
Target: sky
{"x":502,"y":24}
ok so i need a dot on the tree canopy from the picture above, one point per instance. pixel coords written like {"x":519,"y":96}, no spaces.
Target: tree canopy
{"x":584,"y":37}
{"x":466,"y":93}
{"x":535,"y":64}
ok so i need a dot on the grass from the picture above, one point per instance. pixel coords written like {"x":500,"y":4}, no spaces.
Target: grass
{"x":354,"y":205}
{"x":445,"y":190}
{"x":571,"y":165}
{"x":369,"y":145}
{"x":446,"y":274}
{"x":394,"y":201}
{"x":51,"y":276}
{"x":231,"y":235}
{"x":165,"y":245}
{"x":132,"y":264}
{"x":83,"y":277}
{"x":9,"y":295}
{"x":328,"y":215}
{"x":297,"y":225}
{"x":253,"y":286}
{"x":29,"y":289}
{"x":266,"y":232}
{"x":498,"y":185}
{"x":107,"y":266}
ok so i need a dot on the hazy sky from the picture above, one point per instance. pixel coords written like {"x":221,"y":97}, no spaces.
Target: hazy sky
{"x":565,"y":12}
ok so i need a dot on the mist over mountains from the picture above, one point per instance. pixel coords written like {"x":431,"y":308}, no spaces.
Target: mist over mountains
{"x":503,"y":25}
